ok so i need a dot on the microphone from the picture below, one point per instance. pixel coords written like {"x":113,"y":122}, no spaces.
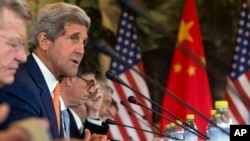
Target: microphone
{"x":102,"y":47}
{"x":133,"y":100}
{"x":143,"y":116}
{"x":114,"y":77}
{"x":111,"y":122}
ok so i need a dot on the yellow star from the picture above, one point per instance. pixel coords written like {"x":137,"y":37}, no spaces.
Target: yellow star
{"x":191,"y":70}
{"x":203,"y":60}
{"x":177,"y":67}
{"x":184,"y":31}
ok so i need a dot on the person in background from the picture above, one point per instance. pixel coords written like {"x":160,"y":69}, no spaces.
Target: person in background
{"x":80,"y":94}
{"x":113,"y":110}
{"x":13,"y":17}
{"x":107,"y":99}
{"x":57,"y":38}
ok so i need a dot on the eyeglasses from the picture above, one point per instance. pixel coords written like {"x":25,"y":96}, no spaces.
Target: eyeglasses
{"x":14,"y":43}
{"x":90,"y":83}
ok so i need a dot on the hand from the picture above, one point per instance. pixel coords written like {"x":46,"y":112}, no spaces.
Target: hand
{"x":94,"y":104}
{"x":97,"y":137}
{"x":4,"y":110}
{"x":94,"y":137}
{"x":88,"y":137}
{"x":30,"y":129}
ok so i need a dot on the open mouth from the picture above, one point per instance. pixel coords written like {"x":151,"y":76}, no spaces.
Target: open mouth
{"x":75,"y":62}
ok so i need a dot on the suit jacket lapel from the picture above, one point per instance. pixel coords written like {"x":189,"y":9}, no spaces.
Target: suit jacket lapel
{"x":45,"y":94}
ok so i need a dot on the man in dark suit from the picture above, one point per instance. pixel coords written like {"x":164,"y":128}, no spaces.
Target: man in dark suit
{"x":81,"y":95}
{"x":57,"y":38}
{"x":13,"y":17}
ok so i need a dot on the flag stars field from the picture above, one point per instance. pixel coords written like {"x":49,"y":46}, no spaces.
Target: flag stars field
{"x":177,"y":68}
{"x":203,"y":60}
{"x":237,"y":89}
{"x":127,"y":47}
{"x":188,"y":70}
{"x":191,"y":70}
{"x":185,"y":31}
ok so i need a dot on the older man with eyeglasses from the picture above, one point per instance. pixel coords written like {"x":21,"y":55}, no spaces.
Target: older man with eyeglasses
{"x":83,"y":100}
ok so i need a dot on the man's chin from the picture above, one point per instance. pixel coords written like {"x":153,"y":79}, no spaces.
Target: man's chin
{"x":6,"y":81}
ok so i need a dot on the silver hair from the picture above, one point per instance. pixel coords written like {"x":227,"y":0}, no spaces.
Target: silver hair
{"x":52,"y":18}
{"x":20,"y":7}
{"x":105,"y":88}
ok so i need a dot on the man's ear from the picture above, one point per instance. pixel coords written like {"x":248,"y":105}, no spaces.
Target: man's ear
{"x":43,"y":41}
{"x":69,"y":81}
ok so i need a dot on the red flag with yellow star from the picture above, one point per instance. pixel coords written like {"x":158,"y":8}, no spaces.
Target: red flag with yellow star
{"x":188,"y":79}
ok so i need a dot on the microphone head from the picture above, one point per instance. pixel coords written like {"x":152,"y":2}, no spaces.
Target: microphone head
{"x":109,"y":121}
{"x":111,"y":75}
{"x":101,"y":47}
{"x":132,"y":99}
{"x":114,"y":77}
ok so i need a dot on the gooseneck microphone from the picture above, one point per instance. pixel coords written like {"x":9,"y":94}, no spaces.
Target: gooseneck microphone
{"x":100,"y":46}
{"x":112,"y":76}
{"x":133,"y":100}
{"x":142,"y":116}
{"x":111,"y":122}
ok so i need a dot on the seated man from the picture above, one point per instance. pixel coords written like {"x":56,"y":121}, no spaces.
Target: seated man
{"x":107,"y":91}
{"x":112,"y":110}
{"x":80,"y":91}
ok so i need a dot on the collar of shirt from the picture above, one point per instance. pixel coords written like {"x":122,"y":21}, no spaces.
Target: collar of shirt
{"x":49,"y":79}
{"x":48,"y":76}
{"x":62,"y":105}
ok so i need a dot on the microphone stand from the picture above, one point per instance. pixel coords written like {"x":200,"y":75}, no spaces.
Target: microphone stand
{"x":108,"y":121}
{"x":112,"y":76}
{"x":194,"y":131}
{"x":101,"y":47}
{"x":143,"y":116}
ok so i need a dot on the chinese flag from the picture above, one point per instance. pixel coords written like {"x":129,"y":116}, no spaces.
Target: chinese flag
{"x":188,"y":79}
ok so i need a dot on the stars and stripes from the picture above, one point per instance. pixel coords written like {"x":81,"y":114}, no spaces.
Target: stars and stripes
{"x":127,"y":47}
{"x":237,"y":90}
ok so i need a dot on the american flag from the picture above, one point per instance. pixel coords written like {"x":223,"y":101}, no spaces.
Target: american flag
{"x":237,"y":90}
{"x":127,"y":47}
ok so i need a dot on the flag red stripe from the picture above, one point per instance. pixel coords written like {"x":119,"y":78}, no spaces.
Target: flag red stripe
{"x":139,"y":98}
{"x":135,"y":122}
{"x":122,"y":129}
{"x":248,"y":75}
{"x":127,"y":46}
{"x":234,"y":109}
{"x":243,"y":95}
{"x":109,"y":135}
{"x":141,"y":69}
{"x":237,"y":92}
